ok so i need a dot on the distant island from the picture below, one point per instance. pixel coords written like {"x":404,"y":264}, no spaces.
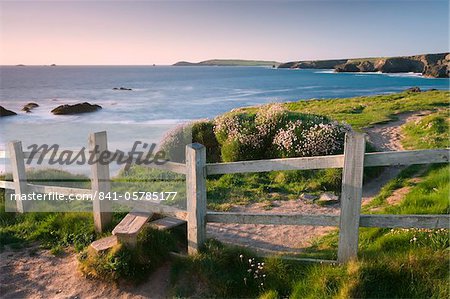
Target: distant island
{"x":229,"y":62}
{"x":429,"y":65}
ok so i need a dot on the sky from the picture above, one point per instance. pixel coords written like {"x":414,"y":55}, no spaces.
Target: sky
{"x":164,"y":32}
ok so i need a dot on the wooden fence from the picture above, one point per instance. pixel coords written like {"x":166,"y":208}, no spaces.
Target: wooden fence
{"x":196,"y":170}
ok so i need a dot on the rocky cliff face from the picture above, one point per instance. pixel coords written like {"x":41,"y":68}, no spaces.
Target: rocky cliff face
{"x":313,"y":64}
{"x":430,"y":65}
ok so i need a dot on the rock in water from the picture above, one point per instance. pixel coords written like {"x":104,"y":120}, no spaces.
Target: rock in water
{"x":30,"y":106}
{"x":6,"y":112}
{"x":76,"y":109}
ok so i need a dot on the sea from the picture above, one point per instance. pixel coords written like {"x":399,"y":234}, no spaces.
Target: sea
{"x":163,"y":97}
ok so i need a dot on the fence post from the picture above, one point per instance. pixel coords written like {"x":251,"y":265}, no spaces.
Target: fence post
{"x":18,"y":171}
{"x":196,"y":196}
{"x":100,"y":181}
{"x":352,"y":180}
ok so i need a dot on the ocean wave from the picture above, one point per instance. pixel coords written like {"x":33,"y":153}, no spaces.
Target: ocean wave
{"x":327,"y":71}
{"x":410,"y":74}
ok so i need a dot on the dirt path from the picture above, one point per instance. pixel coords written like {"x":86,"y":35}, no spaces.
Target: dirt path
{"x":387,"y":137}
{"x":33,"y":273}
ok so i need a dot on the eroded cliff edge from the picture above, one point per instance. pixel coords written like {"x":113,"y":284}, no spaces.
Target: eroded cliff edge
{"x":429,"y":65}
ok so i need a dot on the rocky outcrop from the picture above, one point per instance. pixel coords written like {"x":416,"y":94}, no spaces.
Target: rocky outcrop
{"x":5,"y":112}
{"x":347,"y":67}
{"x":76,"y":109}
{"x":429,"y":65}
{"x":30,"y":106}
{"x":313,"y":64}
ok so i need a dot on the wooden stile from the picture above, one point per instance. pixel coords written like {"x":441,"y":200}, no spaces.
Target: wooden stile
{"x":352,"y":180}
{"x":196,"y":196}
{"x":101,"y":183}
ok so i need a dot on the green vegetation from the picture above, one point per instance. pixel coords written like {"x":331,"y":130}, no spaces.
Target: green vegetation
{"x":393,"y":263}
{"x":52,"y":230}
{"x":432,"y":131}
{"x":121,"y":262}
{"x":362,"y":112}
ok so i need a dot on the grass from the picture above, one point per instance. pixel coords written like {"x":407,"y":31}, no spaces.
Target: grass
{"x":397,"y":263}
{"x":135,"y":264}
{"x":393,"y":263}
{"x":431,"y":131}
{"x":361,"y":112}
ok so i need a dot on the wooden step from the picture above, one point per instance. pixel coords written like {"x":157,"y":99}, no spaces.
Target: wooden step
{"x":104,"y":243}
{"x":130,"y":226}
{"x":166,"y":223}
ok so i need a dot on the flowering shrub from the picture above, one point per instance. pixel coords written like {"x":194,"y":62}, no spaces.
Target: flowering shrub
{"x":270,"y":132}
{"x":274,"y":132}
{"x":174,"y":142}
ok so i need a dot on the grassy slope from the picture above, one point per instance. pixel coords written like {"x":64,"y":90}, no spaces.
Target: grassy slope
{"x":362,"y":112}
{"x":429,"y":132}
{"x":398,"y":263}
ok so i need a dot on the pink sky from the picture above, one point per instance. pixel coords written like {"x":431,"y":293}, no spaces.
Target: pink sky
{"x":128,"y":32}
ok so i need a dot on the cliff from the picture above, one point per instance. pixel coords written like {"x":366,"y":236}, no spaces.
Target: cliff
{"x":429,"y":65}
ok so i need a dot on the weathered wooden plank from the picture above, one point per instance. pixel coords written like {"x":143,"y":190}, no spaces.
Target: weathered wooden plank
{"x":321,"y":162}
{"x":132,"y":223}
{"x":352,"y":181}
{"x":6,"y":185}
{"x":157,"y":208}
{"x":19,"y":173}
{"x":130,"y":226}
{"x":196,"y":196}
{"x":166,"y":223}
{"x":406,"y":221}
{"x":101,"y":183}
{"x":66,"y":191}
{"x":407,"y":157}
{"x":104,"y":244}
{"x":276,"y":219}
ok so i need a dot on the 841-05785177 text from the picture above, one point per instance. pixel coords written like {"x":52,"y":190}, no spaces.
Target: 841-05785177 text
{"x":137,"y":195}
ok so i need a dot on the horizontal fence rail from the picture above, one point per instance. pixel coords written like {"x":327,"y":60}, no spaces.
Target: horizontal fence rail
{"x":332,"y":161}
{"x":320,"y":162}
{"x":168,"y":165}
{"x":407,"y":157}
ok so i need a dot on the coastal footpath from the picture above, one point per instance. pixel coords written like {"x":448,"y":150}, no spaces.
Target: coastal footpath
{"x":429,"y":65}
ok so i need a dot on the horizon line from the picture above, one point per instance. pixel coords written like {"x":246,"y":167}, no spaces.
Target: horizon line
{"x":284,"y":61}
